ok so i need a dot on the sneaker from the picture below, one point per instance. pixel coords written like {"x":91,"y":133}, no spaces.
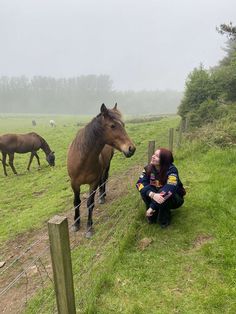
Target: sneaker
{"x":164,"y":225}
{"x":150,"y":220}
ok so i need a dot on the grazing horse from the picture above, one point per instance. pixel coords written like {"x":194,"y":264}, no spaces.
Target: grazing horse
{"x":34,"y":123}
{"x":52,"y":123}
{"x":89,"y":157}
{"x":24,"y":143}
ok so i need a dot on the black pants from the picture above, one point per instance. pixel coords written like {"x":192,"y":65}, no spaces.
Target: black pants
{"x":162,"y":211}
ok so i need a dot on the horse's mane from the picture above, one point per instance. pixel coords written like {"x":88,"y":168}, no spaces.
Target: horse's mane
{"x":92,"y":132}
{"x":45,"y":147}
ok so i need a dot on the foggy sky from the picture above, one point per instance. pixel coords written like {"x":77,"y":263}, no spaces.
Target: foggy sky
{"x":141,"y":44}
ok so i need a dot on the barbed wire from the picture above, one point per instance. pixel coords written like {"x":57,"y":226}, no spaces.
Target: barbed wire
{"x":2,"y":292}
{"x":44,"y":302}
{"x":114,"y":225}
{"x":43,"y":237}
{"x":24,"y":252}
{"x":93,"y":258}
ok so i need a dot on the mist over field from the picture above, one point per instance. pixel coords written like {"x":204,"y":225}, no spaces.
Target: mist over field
{"x":71,"y":56}
{"x":81,"y":95}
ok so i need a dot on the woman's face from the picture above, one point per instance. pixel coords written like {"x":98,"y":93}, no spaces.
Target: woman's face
{"x":155,"y":161}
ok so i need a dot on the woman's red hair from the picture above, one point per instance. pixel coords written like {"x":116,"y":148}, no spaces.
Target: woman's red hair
{"x":166,"y":159}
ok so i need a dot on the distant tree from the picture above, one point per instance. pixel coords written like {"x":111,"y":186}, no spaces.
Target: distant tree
{"x":79,"y":95}
{"x":198,"y":88}
{"x":227,"y":29}
{"x":225,"y":78}
{"x":209,"y":94}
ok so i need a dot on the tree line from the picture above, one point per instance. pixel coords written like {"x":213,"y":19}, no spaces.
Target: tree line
{"x":79,"y":95}
{"x":211,"y":94}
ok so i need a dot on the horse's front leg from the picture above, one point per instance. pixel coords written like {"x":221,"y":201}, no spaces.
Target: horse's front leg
{"x":11,"y":159}
{"x":30,"y":161}
{"x":90,"y":206}
{"x":102,"y":187}
{"x":4,"y":157}
{"x":37,"y":157}
{"x":77,"y":202}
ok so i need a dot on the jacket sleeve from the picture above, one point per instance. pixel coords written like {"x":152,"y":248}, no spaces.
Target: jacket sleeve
{"x":171,"y":184}
{"x":143,"y":183}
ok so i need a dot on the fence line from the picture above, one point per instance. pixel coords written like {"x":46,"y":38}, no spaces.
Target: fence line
{"x":151,"y":147}
{"x":21,"y":274}
{"x":44,"y":236}
{"x":2,"y":292}
{"x":24,"y":252}
{"x":61,"y":263}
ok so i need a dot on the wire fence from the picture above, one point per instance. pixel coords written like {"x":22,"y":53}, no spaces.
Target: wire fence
{"x":37,"y":274}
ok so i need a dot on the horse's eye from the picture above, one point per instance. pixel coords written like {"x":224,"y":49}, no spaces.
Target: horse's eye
{"x":113,"y":126}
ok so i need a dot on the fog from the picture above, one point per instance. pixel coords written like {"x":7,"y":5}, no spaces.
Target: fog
{"x":139,"y":44}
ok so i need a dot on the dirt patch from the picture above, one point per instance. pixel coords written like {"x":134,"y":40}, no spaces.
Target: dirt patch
{"x":201,"y":240}
{"x":39,"y":193}
{"x":28,"y":255}
{"x":144,"y":243}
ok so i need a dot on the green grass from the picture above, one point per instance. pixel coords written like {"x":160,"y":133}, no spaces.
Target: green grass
{"x":30,"y":199}
{"x":177,"y":273}
{"x":188,"y":267}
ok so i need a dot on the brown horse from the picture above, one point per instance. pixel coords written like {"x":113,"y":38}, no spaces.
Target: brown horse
{"x":89,"y":157}
{"x":24,"y":143}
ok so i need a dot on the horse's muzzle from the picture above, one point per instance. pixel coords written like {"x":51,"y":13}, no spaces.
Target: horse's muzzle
{"x":130,"y":152}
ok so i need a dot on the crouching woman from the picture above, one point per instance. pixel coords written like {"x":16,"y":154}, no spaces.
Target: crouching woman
{"x":160,"y":187}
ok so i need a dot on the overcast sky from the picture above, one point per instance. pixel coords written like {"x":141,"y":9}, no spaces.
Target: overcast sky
{"x":141,"y":44}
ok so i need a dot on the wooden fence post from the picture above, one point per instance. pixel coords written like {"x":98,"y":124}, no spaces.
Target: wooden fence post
{"x":61,"y":264}
{"x":171,"y":139}
{"x":151,"y":150}
{"x":181,"y":128}
{"x":186,"y":124}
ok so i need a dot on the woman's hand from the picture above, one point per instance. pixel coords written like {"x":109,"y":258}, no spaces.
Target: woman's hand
{"x":157,"y":197}
{"x":150,"y":212}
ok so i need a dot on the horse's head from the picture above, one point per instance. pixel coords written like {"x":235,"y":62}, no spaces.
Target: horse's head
{"x":114,"y":131}
{"x":51,"y":159}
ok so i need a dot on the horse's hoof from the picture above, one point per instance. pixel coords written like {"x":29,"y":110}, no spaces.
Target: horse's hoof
{"x":101,"y":200}
{"x":89,"y":234}
{"x":75,"y":227}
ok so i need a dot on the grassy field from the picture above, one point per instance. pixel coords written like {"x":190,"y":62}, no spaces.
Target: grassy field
{"x":30,"y":199}
{"x":130,"y":266}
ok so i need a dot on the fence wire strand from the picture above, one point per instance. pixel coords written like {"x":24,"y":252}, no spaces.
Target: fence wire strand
{"x":2,"y":292}
{"x":38,"y":259}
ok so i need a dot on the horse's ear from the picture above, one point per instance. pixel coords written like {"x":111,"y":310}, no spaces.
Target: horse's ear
{"x":115,"y":107}
{"x":103,"y":109}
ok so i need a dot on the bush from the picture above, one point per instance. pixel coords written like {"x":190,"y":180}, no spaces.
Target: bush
{"x":221,"y":133}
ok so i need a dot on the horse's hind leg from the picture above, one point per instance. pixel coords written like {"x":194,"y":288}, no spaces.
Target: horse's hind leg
{"x":4,"y":157}
{"x":102,"y":186}
{"x":77,"y":202}
{"x":11,"y":159}
{"x":90,"y":205}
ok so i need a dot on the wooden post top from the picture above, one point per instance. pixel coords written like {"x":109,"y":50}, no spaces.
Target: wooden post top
{"x":57,"y":219}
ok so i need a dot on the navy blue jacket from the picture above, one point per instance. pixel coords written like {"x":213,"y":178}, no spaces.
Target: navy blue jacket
{"x":149,"y":182}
